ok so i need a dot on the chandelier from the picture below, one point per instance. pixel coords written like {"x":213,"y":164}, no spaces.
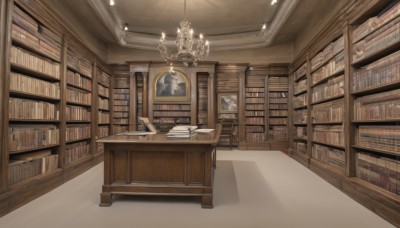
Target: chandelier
{"x":184,"y":43}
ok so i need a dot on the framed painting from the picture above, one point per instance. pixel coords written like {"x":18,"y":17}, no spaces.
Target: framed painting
{"x":227,"y":103}
{"x":171,"y":86}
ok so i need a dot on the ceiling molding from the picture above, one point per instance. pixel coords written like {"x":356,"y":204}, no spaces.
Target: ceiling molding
{"x":255,"y":39}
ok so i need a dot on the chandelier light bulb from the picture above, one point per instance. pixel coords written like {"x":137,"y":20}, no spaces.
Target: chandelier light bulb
{"x":264,"y":26}
{"x":162,"y":35}
{"x":201,"y":36}
{"x":274,"y":2}
{"x":179,"y":31}
{"x":112,"y":2}
{"x":207,"y":43}
{"x":126,"y":27}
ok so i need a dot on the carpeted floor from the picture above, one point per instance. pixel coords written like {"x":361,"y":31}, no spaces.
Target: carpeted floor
{"x":251,"y":189}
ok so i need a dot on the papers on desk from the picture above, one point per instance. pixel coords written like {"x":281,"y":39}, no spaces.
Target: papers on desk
{"x":138,"y":133}
{"x":204,"y":130}
{"x":182,"y":132}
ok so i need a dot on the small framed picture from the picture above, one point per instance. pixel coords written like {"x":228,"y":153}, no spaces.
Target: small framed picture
{"x":227,"y":103}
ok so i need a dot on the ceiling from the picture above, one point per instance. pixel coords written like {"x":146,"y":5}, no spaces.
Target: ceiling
{"x":227,"y":24}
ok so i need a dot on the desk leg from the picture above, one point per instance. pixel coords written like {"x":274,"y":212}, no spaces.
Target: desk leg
{"x":105,"y":199}
{"x":207,"y":201}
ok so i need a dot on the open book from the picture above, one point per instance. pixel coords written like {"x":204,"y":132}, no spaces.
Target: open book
{"x":147,"y":124}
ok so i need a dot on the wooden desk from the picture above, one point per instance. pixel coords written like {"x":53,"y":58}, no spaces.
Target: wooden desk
{"x":155,"y":165}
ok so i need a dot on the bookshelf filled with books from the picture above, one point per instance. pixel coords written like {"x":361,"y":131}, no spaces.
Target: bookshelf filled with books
{"x":34,"y":96}
{"x":166,"y":116}
{"x":104,"y":85}
{"x":48,"y":126}
{"x":354,"y":88}
{"x":278,"y":110}
{"x":202,"y":100}
{"x":121,"y":104}
{"x":375,"y":89}
{"x":255,"y":108}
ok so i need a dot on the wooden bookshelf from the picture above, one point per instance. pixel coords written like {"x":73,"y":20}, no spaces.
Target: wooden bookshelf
{"x":121,"y":104}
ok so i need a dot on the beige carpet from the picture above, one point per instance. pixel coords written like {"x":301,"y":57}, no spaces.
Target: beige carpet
{"x":252,"y":189}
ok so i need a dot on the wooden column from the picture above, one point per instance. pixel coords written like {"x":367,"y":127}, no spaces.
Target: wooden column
{"x":5,"y":43}
{"x":63,"y":103}
{"x":310,"y":129}
{"x":94,"y":110}
{"x":132,"y":102}
{"x":241,"y":111}
{"x":145,"y":93}
{"x":193,"y":97}
{"x":212,"y":108}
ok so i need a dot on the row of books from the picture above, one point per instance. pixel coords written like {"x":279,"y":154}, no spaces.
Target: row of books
{"x":120,"y":129}
{"x":103,"y":117}
{"x":29,"y":109}
{"x":380,"y":171}
{"x":377,"y":40}
{"x":171,"y":107}
{"x":254,"y":128}
{"x":78,"y":96}
{"x":328,"y":112}
{"x":278,"y":133}
{"x":121,"y":96}
{"x":121,"y":115}
{"x":103,"y":78}
{"x":255,"y":120}
{"x":34,"y":86}
{"x":329,"y":51}
{"x":278,"y":106}
{"x":76,"y":113}
{"x":332,"y":67}
{"x":25,"y":166}
{"x":24,"y":137}
{"x":76,"y":79}
{"x":384,"y":138}
{"x":300,"y":132}
{"x":104,"y":91}
{"x":182,"y":132}
{"x":254,"y":90}
{"x":300,"y":116}
{"x":277,"y":95}
{"x":21,"y":17}
{"x":283,"y":100}
{"x":118,"y":90}
{"x":121,"y":121}
{"x":254,"y":94}
{"x":255,"y":78}
{"x":121,"y":102}
{"x":255,"y":137}
{"x":300,"y":147}
{"x":76,"y":151}
{"x":171,"y":113}
{"x":255,"y":107}
{"x":278,"y":83}
{"x":332,"y":88}
{"x":103,"y":131}
{"x":103,"y":104}
{"x":170,"y":120}
{"x":122,"y":83}
{"x":278,"y":120}
{"x":300,"y":101}
{"x":374,"y":23}
{"x":77,"y":131}
{"x":331,"y":156}
{"x":384,"y":71}
{"x":254,"y":113}
{"x":380,"y":106}
{"x":26,"y":59}
{"x":79,"y":63}
{"x":300,"y":86}
{"x":278,"y":112}
{"x":329,"y":134}
{"x":122,"y":108}
{"x":227,"y":82}
{"x":300,"y":72}
{"x":32,"y":40}
{"x":254,"y":100}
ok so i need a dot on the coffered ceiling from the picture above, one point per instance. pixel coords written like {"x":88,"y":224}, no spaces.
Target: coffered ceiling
{"x":227,"y":24}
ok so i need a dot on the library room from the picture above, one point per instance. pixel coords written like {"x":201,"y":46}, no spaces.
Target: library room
{"x":193,"y":113}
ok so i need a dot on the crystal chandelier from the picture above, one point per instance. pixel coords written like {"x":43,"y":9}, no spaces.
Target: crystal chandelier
{"x":184,"y":43}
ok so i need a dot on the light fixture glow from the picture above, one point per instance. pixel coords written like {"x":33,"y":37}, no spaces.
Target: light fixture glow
{"x":126,"y":26}
{"x":184,"y":43}
{"x":112,"y":2}
{"x":273,"y":2}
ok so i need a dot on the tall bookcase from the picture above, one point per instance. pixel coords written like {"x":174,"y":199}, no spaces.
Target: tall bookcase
{"x":277,"y":104}
{"x":121,"y":104}
{"x":345,"y":92}
{"x":104,"y":112}
{"x":50,"y":96}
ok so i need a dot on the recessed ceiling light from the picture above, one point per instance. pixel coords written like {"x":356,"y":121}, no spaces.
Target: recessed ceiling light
{"x":273,"y":2}
{"x":112,"y":2}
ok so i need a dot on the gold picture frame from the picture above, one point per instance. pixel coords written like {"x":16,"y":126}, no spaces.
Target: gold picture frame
{"x":171,"y":86}
{"x":227,"y":102}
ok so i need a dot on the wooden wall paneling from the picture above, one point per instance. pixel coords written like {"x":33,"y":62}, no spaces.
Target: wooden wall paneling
{"x":5,"y":43}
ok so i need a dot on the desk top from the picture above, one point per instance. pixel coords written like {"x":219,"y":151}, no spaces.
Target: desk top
{"x":160,"y":138}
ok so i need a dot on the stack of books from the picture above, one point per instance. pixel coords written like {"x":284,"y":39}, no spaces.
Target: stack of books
{"x":182,"y":132}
